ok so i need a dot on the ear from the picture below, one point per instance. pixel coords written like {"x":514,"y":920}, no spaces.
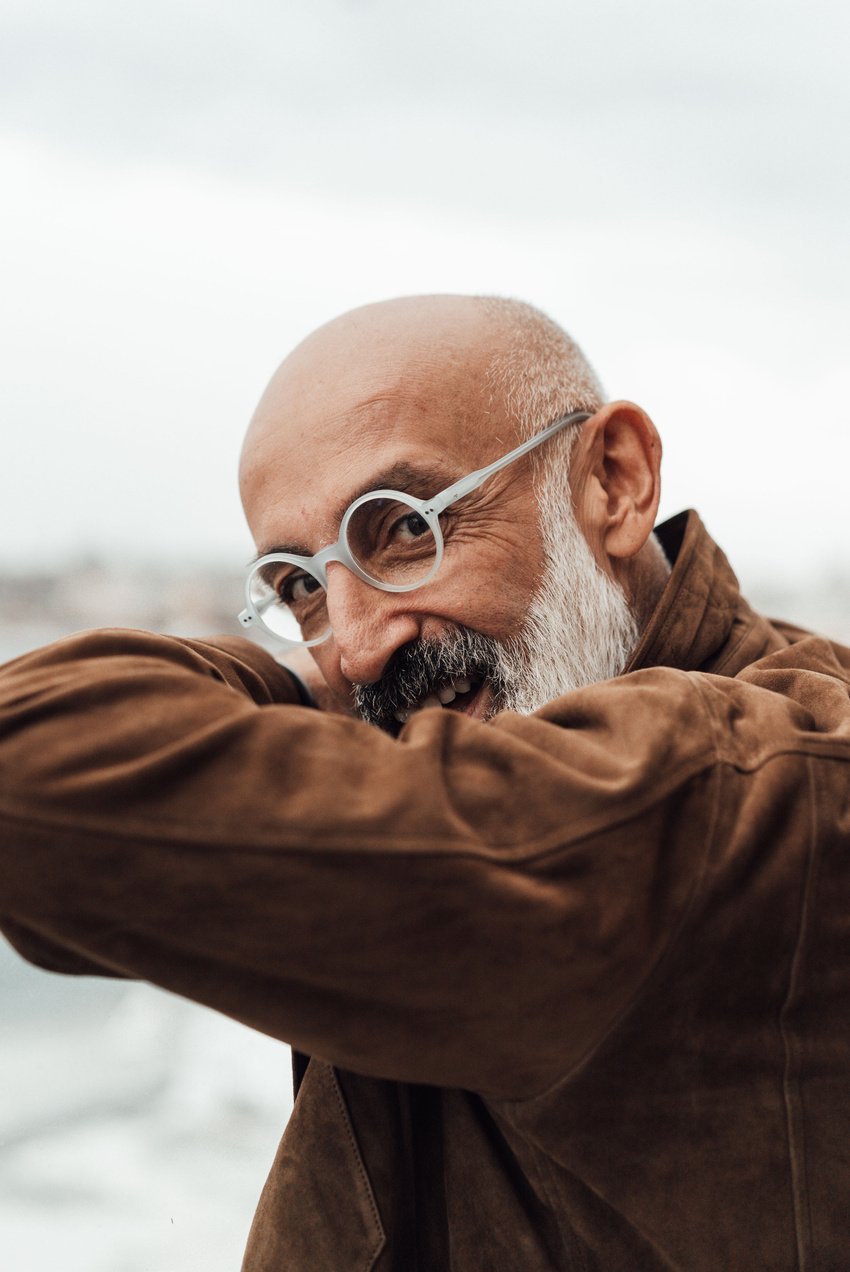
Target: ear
{"x":616,"y":481}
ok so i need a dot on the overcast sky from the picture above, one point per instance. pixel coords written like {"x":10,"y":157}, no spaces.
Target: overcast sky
{"x":190,"y":187}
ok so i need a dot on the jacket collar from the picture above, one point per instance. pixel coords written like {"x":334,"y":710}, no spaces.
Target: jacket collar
{"x":701,"y":621}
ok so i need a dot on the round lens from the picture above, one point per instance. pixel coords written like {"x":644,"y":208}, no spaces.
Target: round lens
{"x":290,"y":601}
{"x":391,"y":541}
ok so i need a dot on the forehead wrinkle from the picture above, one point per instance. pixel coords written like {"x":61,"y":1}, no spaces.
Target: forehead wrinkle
{"x":424,"y":480}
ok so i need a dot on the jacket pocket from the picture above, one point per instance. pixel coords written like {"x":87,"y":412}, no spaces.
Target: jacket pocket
{"x":317,"y":1209}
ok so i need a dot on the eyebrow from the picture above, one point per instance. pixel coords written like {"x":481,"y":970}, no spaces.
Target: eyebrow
{"x":412,"y":479}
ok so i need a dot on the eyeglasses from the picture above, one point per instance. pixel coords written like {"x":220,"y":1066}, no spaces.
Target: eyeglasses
{"x":387,"y":538}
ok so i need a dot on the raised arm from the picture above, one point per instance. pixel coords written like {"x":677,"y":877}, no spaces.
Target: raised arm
{"x":168,"y":812}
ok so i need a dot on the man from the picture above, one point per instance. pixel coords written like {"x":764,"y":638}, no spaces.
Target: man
{"x":565,"y":934}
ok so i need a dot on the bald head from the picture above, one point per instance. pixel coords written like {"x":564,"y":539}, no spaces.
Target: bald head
{"x":496,"y":367}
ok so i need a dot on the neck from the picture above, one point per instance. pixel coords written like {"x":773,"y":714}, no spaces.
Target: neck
{"x":648,"y":573}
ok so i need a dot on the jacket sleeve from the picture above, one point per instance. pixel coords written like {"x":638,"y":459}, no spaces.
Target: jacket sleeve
{"x":467,"y":905}
{"x":233,"y":660}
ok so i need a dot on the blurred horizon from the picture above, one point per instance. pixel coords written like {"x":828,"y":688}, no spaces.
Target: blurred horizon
{"x":199,"y":597}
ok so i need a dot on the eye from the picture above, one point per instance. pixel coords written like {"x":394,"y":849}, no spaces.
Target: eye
{"x":297,"y":588}
{"x":411,"y":526}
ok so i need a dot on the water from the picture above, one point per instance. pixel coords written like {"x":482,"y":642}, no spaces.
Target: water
{"x":135,"y":1129}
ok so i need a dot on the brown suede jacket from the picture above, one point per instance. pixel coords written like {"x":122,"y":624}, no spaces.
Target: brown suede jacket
{"x":575,"y":985}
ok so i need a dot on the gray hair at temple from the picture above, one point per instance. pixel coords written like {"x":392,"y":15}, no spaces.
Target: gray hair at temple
{"x":537,"y":375}
{"x":579,"y":628}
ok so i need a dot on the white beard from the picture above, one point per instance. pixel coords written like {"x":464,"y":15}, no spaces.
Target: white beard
{"x":580,"y":629}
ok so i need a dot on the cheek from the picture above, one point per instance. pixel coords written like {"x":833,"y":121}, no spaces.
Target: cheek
{"x":495,"y":568}
{"x":326,"y":659}
{"x":491,"y":597}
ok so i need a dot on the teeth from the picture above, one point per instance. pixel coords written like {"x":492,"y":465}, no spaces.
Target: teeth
{"x":440,"y":698}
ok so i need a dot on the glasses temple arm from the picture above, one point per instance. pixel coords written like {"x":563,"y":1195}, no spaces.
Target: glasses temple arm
{"x":473,"y":480}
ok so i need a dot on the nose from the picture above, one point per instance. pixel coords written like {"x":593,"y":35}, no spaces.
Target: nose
{"x":368,"y":625}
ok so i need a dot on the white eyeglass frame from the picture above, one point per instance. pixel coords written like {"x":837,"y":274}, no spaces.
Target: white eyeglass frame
{"x":428,"y":509}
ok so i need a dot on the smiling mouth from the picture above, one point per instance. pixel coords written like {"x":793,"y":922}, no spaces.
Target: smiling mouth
{"x":460,"y":694}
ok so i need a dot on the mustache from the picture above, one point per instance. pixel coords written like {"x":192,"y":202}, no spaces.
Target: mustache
{"x":423,"y":666}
